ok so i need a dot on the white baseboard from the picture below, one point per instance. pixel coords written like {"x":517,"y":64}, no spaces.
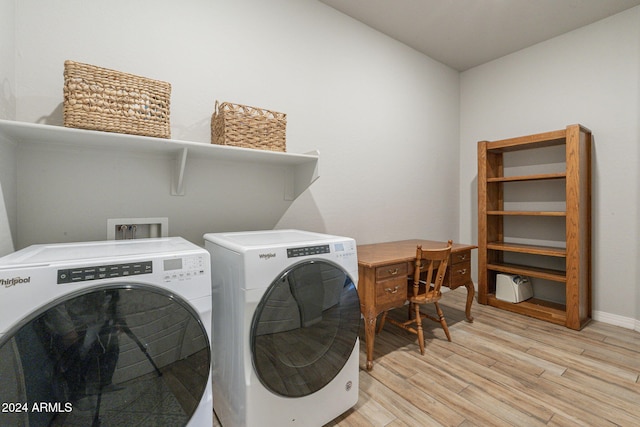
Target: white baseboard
{"x":614,"y":319}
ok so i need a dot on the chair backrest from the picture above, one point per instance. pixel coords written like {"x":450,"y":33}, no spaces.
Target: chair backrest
{"x":430,"y":261}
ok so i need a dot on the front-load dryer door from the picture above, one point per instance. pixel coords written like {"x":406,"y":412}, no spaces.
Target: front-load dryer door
{"x":118,"y":355}
{"x":304,"y":328}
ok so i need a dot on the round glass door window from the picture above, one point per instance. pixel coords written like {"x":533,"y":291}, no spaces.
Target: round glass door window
{"x":305,"y":328}
{"x":117,"y":355}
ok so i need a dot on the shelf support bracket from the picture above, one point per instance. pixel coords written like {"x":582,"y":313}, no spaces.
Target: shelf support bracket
{"x":300,"y":177}
{"x":177,"y":186}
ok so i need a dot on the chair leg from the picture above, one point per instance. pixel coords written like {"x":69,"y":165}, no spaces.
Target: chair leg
{"x":443,"y":322}
{"x":381,"y":322}
{"x":418,"y":320}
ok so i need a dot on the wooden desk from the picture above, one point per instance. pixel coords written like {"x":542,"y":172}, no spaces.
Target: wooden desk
{"x":382,"y":285}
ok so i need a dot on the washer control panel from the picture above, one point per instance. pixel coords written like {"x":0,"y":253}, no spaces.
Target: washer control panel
{"x":183,"y":268}
{"x":109,"y":271}
{"x":179,"y":268}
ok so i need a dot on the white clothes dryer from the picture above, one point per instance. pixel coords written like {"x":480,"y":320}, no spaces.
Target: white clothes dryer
{"x":106,"y":333}
{"x":286,"y":317}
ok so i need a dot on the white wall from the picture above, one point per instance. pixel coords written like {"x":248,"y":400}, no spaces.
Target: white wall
{"x":8,"y":111}
{"x":382,"y":116}
{"x":589,"y":76}
{"x":7,"y":53}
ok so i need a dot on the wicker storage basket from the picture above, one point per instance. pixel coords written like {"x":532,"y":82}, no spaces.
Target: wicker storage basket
{"x":111,"y":101}
{"x":248,"y":127}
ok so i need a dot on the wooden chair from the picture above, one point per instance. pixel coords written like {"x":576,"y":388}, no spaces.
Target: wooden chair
{"x":427,"y":291}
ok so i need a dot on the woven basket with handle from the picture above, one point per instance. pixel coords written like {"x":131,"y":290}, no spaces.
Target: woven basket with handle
{"x":248,"y":127}
{"x":101,"y":99}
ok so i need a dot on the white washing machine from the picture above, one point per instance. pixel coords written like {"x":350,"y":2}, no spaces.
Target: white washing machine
{"x":286,"y":317}
{"x":106,"y":333}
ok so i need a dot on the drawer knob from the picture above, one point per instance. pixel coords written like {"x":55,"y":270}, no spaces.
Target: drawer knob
{"x":462,"y":257}
{"x":393,"y":272}
{"x":392,"y":291}
{"x":463,"y":271}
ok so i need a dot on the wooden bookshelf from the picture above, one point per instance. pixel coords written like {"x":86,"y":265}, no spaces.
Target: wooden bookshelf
{"x":493,"y":244}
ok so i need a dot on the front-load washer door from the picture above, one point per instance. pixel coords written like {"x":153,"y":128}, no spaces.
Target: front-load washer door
{"x":304,"y":328}
{"x":112,"y":355}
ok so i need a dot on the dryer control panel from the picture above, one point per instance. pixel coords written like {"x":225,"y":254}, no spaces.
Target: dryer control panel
{"x":338,"y":250}
{"x":307,"y":250}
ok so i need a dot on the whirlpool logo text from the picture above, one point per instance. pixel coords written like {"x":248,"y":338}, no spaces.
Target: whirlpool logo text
{"x":267,"y":256}
{"x":7,"y":283}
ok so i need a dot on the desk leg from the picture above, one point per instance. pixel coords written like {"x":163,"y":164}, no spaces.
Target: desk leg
{"x":470,"y":294}
{"x":370,"y":335}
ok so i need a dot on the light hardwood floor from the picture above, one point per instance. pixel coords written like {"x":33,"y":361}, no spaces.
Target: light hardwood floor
{"x":503,"y":369}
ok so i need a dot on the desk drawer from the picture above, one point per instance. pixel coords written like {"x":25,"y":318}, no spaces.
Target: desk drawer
{"x":459,"y":274}
{"x":391,"y":293}
{"x":458,"y":257}
{"x":391,"y":271}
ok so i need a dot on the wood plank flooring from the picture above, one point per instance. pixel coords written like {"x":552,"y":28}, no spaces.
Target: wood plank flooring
{"x":503,"y":369}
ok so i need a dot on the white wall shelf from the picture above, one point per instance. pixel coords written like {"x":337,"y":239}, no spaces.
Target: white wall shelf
{"x":303,"y":168}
